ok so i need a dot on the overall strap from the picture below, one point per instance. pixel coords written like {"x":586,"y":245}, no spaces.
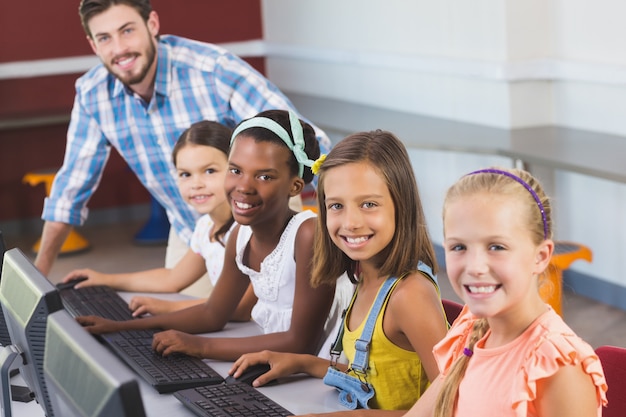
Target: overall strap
{"x":361,"y":357}
{"x":337,"y":346}
{"x":421,"y":266}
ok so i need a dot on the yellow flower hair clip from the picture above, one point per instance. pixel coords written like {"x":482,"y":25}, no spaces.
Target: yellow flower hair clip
{"x":315,"y":168}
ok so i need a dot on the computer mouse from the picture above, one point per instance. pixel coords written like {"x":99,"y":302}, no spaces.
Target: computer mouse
{"x":250,"y":374}
{"x":70,"y":284}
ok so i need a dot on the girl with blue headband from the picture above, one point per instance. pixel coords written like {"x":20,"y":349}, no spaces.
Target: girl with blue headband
{"x":508,"y":354}
{"x":271,"y":248}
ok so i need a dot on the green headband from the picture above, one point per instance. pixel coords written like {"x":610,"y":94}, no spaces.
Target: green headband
{"x":272,"y":126}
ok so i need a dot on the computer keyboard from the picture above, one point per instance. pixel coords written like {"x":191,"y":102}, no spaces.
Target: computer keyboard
{"x":100,"y":301}
{"x":230,"y":400}
{"x":5,"y":338}
{"x":165,"y":373}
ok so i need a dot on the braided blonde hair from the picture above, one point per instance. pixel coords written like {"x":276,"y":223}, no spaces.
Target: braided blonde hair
{"x":446,"y":402}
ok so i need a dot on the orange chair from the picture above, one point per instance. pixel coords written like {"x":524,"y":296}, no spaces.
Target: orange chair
{"x":74,"y":242}
{"x":564,"y":254}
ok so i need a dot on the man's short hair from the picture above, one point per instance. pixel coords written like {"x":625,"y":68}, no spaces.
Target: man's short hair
{"x":91,"y":8}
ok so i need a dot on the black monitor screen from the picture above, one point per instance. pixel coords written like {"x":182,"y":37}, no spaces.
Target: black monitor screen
{"x":27,"y":298}
{"x":85,"y":379}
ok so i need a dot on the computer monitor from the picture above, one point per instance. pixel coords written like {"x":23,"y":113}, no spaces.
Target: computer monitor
{"x":27,"y":299}
{"x":5,"y":339}
{"x":84,"y":378}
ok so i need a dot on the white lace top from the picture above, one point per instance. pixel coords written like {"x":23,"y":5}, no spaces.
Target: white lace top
{"x":275,"y":284}
{"x":212,"y":252}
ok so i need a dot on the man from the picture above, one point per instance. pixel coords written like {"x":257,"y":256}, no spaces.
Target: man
{"x":146,"y":91}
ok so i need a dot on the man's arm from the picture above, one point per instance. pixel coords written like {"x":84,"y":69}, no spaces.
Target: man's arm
{"x":247,"y":92}
{"x":52,"y":238}
{"x":86,"y":153}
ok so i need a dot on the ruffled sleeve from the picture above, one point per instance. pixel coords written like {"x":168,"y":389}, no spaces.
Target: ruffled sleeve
{"x":553,"y":351}
{"x":451,"y":346}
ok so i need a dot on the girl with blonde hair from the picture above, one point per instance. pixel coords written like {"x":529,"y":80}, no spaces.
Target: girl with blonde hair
{"x":508,"y":353}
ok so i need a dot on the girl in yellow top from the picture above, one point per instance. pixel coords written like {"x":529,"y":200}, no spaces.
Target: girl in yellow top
{"x":508,"y":354}
{"x":371,"y":226}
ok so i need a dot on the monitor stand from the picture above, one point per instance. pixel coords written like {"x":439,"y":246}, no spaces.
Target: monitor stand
{"x":10,"y":359}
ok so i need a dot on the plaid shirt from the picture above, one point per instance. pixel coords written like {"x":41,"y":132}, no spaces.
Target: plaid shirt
{"x":194,"y":81}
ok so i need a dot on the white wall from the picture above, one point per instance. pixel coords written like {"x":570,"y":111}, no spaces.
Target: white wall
{"x":505,"y":64}
{"x":433,"y":184}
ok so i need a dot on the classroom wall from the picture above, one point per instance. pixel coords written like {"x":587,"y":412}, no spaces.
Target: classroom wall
{"x":505,"y":64}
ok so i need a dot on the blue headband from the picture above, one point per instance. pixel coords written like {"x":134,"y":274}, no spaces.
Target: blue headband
{"x":278,"y":130}
{"x":527,"y":186}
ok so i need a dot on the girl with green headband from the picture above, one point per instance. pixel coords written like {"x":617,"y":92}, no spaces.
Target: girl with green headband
{"x":271,"y":248}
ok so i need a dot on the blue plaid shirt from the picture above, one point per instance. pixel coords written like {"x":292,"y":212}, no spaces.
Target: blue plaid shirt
{"x":194,"y":81}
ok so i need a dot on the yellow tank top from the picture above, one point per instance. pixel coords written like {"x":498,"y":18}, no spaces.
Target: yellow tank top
{"x":396,"y":374}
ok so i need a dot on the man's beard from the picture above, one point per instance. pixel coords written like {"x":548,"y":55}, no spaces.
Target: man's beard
{"x":131,"y":79}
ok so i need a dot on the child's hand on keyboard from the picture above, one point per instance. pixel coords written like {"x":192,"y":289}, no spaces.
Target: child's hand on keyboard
{"x":282,"y":364}
{"x":141,"y":305}
{"x":93,"y":278}
{"x":99,"y":325}
{"x":174,"y":341}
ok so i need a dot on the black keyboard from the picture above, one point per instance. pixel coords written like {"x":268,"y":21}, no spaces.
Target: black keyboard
{"x":230,"y":400}
{"x":5,"y":338}
{"x":166,"y":374}
{"x":100,"y":301}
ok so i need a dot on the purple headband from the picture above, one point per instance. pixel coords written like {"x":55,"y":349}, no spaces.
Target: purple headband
{"x":528,"y":187}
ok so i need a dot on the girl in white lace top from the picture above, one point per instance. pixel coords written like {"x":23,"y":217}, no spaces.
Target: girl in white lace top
{"x":269,"y":162}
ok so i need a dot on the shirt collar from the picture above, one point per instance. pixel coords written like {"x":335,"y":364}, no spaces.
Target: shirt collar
{"x":164,"y":69}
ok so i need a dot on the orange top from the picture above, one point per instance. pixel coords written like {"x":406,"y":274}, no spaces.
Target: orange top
{"x":502,"y":381}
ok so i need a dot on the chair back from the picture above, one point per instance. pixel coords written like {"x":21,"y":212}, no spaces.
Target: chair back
{"x":452,"y":309}
{"x":613,"y":360}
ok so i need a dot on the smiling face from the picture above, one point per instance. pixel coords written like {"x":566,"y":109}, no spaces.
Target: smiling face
{"x":259,"y":181}
{"x":126,"y":45}
{"x":491,"y":259}
{"x":200,"y":172}
{"x":360,"y":211}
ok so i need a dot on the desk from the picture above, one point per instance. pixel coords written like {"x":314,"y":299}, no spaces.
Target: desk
{"x":298,"y":394}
